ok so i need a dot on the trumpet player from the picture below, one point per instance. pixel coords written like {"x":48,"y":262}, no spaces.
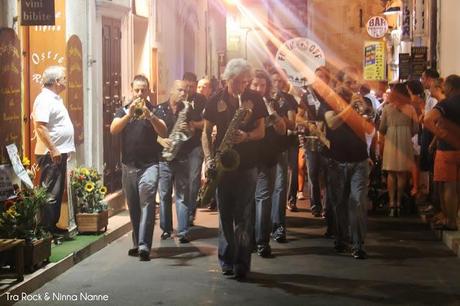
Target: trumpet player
{"x":175,"y":170}
{"x":138,"y":128}
{"x":348,"y":167}
{"x":275,"y":129}
{"x":235,"y":189}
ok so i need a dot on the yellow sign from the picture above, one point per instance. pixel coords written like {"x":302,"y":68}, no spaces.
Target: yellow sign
{"x":374,"y":61}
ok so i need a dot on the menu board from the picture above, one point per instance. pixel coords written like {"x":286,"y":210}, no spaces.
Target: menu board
{"x":419,"y":60}
{"x":404,"y":66}
{"x":75,"y":86}
{"x":374,"y":61}
{"x":10,"y":91}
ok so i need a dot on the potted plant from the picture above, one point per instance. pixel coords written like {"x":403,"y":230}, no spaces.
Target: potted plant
{"x":20,"y":219}
{"x":87,"y":189}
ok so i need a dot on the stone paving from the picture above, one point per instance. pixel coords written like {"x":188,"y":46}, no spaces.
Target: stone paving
{"x":407,"y":265}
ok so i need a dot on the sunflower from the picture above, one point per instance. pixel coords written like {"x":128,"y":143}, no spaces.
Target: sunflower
{"x":84,"y":171}
{"x":25,"y":161}
{"x":103,"y":190}
{"x":89,"y":187}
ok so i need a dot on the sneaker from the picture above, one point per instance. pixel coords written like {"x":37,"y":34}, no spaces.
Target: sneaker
{"x":165,"y":235}
{"x":144,"y":255}
{"x":264,"y":251}
{"x":184,"y":239}
{"x":292,"y":207}
{"x":227,"y":271}
{"x":279,"y":235}
{"x":300,"y":196}
{"x":359,"y":254}
{"x":133,"y":252}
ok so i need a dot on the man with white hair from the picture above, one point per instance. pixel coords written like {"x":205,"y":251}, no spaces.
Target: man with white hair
{"x":236,"y":188}
{"x":55,"y":140}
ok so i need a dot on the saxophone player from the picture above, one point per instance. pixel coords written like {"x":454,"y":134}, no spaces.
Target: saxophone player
{"x":174,"y":170}
{"x":236,"y":188}
{"x":139,"y":156}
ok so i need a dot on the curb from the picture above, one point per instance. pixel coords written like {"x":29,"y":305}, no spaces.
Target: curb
{"x":119,"y":225}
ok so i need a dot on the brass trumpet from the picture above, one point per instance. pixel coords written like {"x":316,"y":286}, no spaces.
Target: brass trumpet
{"x":139,"y":112}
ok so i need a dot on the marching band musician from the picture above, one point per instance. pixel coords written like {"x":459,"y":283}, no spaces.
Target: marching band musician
{"x":138,"y":128}
{"x":195,"y":157}
{"x":235,"y":190}
{"x":348,"y":167}
{"x":287,"y":110}
{"x":275,"y":127}
{"x":176,"y":170}
{"x":311,"y":101}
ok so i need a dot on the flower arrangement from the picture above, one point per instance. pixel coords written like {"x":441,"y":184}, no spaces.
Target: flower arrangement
{"x":20,"y":217}
{"x":88,"y":189}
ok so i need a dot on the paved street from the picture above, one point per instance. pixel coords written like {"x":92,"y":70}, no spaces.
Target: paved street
{"x":407,"y":266}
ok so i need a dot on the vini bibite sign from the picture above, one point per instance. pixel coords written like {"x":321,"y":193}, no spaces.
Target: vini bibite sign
{"x":37,"y":12}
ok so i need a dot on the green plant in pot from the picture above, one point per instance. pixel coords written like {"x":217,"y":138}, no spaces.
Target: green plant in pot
{"x":88,"y":190}
{"x":20,"y":217}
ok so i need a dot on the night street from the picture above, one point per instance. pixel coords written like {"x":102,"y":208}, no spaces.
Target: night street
{"x":406,"y":266}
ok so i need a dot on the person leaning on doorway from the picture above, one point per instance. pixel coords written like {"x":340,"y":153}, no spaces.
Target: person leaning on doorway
{"x":55,"y":141}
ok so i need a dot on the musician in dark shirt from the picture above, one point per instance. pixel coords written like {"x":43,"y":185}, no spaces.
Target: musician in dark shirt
{"x":235,"y":190}
{"x":195,"y":157}
{"x":139,"y":128}
{"x":275,"y":129}
{"x":348,"y":166}
{"x":176,"y":171}
{"x":287,"y":110}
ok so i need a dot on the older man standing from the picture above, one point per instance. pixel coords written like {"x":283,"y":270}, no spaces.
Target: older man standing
{"x":55,"y":140}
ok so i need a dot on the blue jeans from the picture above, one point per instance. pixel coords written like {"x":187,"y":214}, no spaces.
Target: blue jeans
{"x":293,"y":166}
{"x":279,"y":197}
{"x":264,"y":191}
{"x":177,"y":172}
{"x":195,"y":159}
{"x":140,"y":186}
{"x":235,"y":198}
{"x":314,"y":167}
{"x":348,"y":182}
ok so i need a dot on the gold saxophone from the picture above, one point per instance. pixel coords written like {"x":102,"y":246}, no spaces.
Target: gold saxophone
{"x":226,"y":158}
{"x":178,"y":135}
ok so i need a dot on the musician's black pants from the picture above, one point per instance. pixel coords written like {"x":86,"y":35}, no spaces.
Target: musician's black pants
{"x":52,"y":177}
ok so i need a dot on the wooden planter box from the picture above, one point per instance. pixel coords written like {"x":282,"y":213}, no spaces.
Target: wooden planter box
{"x":37,"y":254}
{"x":93,"y":223}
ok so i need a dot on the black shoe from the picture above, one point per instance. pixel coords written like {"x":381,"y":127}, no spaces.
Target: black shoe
{"x":144,"y":255}
{"x":264,"y":251}
{"x":165,"y":235}
{"x":359,"y":254}
{"x":184,"y":239}
{"x":328,"y":235}
{"x":292,"y":207}
{"x":227,"y":271}
{"x":57,"y":240}
{"x":279,"y":235}
{"x":240,"y":274}
{"x":340,"y":248}
{"x":133,"y":252}
{"x":317,"y":214}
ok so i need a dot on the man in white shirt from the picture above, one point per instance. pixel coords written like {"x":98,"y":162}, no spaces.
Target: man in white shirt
{"x":55,"y":140}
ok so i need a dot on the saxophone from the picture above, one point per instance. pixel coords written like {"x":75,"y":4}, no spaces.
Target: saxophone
{"x":178,"y":135}
{"x":226,"y":158}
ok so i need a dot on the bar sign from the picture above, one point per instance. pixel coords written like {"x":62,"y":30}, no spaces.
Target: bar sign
{"x":37,"y":12}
